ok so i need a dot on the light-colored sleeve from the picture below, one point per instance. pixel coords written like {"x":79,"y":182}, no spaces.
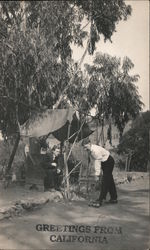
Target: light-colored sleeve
{"x":97,"y":165}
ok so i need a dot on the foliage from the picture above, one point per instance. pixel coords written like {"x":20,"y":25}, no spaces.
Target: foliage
{"x":35,"y":52}
{"x":32,"y":74}
{"x":104,"y":16}
{"x":77,"y":93}
{"x":112,"y":89}
{"x":136,"y":141}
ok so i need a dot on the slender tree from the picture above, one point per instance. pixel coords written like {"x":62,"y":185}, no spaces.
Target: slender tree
{"x":112,"y":89}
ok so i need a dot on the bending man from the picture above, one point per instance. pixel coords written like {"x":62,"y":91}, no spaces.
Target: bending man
{"x":107,"y":165}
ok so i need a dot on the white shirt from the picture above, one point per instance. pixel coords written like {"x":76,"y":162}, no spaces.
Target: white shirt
{"x":99,"y":153}
{"x":97,"y":167}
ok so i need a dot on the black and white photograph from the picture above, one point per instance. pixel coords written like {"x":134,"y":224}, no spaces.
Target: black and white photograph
{"x":74,"y":125}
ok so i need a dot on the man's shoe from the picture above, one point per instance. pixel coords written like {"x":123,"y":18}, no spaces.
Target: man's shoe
{"x":95,"y":204}
{"x":112,"y":201}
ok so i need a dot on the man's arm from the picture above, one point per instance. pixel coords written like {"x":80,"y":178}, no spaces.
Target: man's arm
{"x":93,"y":156}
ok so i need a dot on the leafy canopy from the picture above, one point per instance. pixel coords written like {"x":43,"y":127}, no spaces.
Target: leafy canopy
{"x":35,"y":51}
{"x":112,"y":89}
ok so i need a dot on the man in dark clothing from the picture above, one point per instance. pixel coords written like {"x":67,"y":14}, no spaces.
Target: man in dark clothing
{"x":108,"y":184}
{"x":53,"y":171}
{"x":56,"y":166}
{"x":107,"y":164}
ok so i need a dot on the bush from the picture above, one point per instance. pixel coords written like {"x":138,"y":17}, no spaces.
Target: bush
{"x":136,"y":142}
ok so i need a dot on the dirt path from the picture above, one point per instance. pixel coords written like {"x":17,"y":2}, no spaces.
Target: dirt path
{"x":126,"y":224}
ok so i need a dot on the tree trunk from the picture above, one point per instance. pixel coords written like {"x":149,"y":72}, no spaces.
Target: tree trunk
{"x":13,"y":153}
{"x":148,"y":163}
{"x":97,"y":134}
{"x":130,"y":156}
{"x":67,"y":184}
{"x":67,"y":187}
{"x":126,"y":165}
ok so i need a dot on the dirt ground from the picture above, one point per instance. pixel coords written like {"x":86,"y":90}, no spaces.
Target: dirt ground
{"x":123,"y":226}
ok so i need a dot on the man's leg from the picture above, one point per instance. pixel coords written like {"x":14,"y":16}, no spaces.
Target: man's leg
{"x":108,"y":184}
{"x":111,"y":187}
{"x":46,"y":181}
{"x":58,"y":181}
{"x":51,"y":178}
{"x":105,"y":185}
{"x":112,"y":190}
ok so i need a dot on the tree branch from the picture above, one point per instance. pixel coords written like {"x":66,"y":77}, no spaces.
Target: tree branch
{"x":23,"y":103}
{"x":71,"y":80}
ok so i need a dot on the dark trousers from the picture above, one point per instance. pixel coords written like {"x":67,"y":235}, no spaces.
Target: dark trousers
{"x":108,"y":184}
{"x":52,"y":179}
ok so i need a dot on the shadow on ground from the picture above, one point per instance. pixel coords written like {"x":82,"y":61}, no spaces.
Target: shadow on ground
{"x":130,"y":214}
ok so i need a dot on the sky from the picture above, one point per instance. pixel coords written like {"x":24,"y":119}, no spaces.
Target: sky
{"x":132,"y":40}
